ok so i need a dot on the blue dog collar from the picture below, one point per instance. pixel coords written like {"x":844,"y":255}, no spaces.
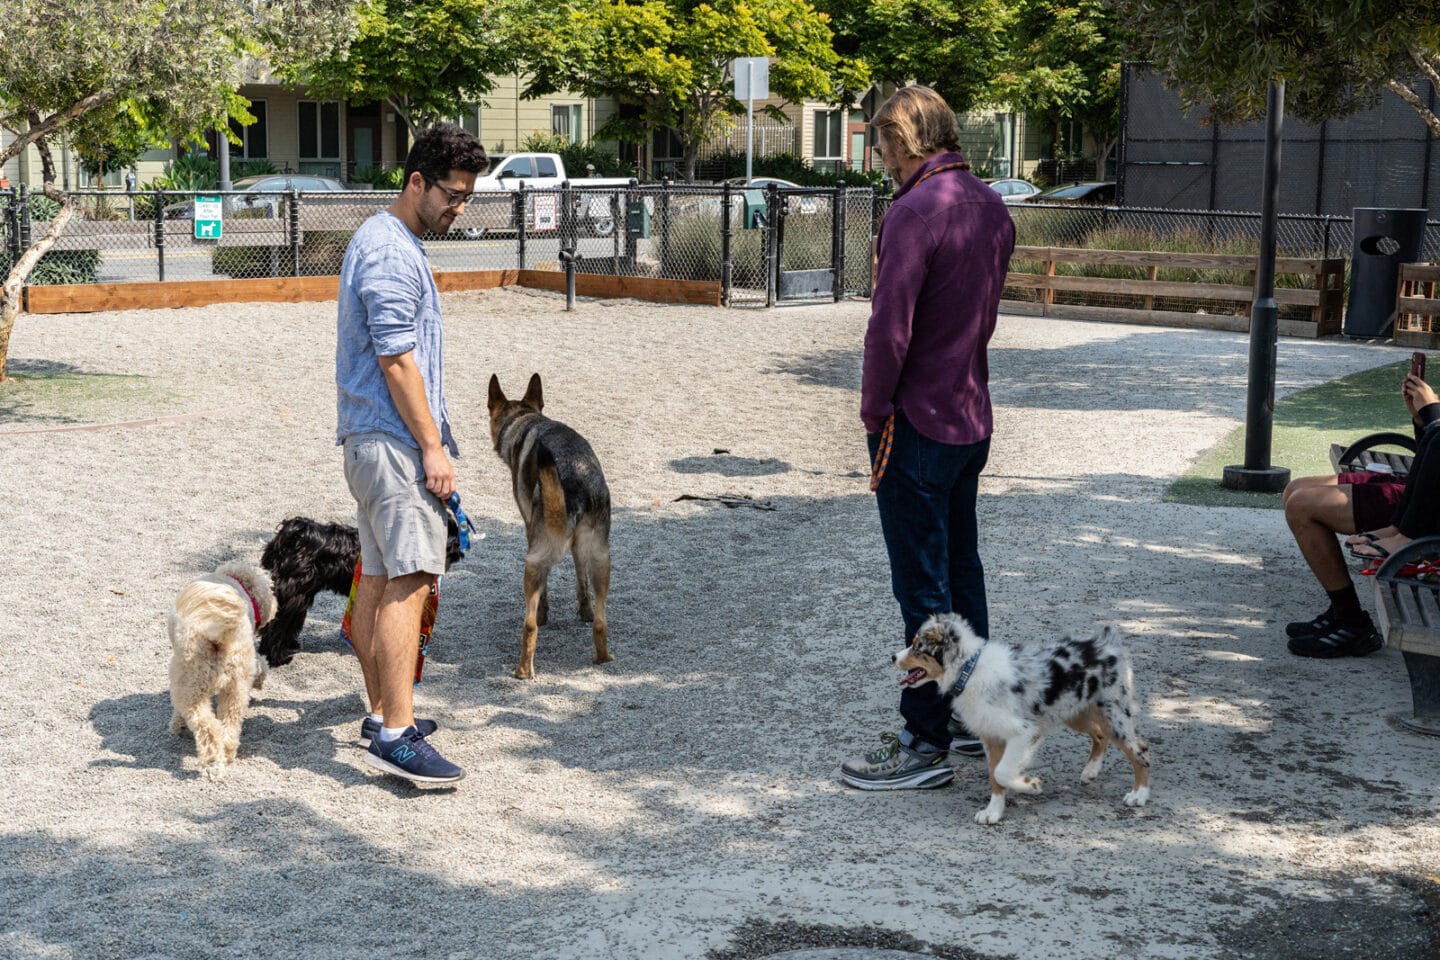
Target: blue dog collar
{"x":461,"y":521}
{"x":967,"y":668}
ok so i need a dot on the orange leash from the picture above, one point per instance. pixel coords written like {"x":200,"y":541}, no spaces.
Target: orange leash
{"x":882,"y":455}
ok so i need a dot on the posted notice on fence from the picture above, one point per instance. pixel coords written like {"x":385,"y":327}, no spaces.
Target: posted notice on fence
{"x":544,"y":210}
{"x":209,"y":218}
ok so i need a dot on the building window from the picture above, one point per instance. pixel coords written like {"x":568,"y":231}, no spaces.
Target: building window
{"x":469,"y":120}
{"x":829,"y":153}
{"x":319,"y":137}
{"x":667,"y":154}
{"x":255,"y":138}
{"x":565,"y":121}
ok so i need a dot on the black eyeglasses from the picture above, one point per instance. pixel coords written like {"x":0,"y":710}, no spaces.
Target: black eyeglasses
{"x":453,"y":198}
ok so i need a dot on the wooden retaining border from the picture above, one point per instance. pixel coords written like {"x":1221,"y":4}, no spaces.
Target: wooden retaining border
{"x":1417,"y":309}
{"x":95,"y":297}
{"x":1325,"y":298}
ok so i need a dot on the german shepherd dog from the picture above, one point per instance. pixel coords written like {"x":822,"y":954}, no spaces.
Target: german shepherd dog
{"x":565,"y":504}
{"x":1009,"y":696}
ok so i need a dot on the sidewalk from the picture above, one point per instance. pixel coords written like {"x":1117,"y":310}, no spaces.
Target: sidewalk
{"x":681,"y":801}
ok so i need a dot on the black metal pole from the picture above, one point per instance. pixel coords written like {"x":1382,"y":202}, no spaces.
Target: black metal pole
{"x":294,"y":221}
{"x":726,"y":267}
{"x":520,"y":226}
{"x":772,"y":239}
{"x":837,"y":242}
{"x":1258,"y":473}
{"x":160,"y":233}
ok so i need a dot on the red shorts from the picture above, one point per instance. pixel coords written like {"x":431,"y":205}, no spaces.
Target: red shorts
{"x":1373,"y":498}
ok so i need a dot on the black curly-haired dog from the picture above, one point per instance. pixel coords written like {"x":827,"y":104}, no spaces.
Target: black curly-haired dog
{"x":307,"y":556}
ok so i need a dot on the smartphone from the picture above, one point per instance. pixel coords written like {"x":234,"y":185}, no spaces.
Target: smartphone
{"x":1417,"y":365}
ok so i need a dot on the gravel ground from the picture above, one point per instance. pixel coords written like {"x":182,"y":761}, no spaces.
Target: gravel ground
{"x":682,"y":800}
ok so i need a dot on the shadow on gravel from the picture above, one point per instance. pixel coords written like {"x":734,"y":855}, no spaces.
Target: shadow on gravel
{"x":1172,"y":370}
{"x":264,"y":878}
{"x":137,"y":727}
{"x":47,"y":392}
{"x":757,"y":938}
{"x":728,"y":465}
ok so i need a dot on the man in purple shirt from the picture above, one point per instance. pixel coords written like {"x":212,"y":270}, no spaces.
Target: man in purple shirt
{"x":942,"y":255}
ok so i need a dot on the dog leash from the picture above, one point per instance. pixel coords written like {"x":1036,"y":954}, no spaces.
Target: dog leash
{"x":887,"y":433}
{"x":882,"y":453}
{"x":461,"y":521}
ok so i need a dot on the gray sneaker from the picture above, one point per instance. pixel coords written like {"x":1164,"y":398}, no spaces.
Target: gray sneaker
{"x":894,"y":766}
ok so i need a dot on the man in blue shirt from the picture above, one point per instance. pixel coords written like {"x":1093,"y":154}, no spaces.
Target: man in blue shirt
{"x":395,"y":430}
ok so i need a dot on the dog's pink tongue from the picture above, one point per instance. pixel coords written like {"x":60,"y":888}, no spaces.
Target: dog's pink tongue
{"x":914,"y":676}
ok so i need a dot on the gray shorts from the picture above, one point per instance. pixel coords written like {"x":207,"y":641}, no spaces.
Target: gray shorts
{"x":402,"y":525}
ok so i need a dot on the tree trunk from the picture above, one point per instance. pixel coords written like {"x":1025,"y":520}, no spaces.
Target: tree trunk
{"x":1409,"y":96}
{"x":15,"y":282}
{"x":692,"y":159}
{"x":1103,"y":149}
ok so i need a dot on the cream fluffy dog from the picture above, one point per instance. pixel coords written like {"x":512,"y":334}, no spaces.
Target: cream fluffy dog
{"x":213,"y":631}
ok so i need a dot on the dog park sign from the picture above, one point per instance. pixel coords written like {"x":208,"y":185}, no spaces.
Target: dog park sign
{"x":209,"y":218}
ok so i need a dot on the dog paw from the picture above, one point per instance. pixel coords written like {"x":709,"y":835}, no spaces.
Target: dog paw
{"x":989,"y":816}
{"x":1137,"y":797}
{"x":1024,"y":785}
{"x":587,"y":615}
{"x":603,"y":658}
{"x":524,"y":673}
{"x":1091,"y":771}
{"x":177,"y":726}
{"x":215,"y":772}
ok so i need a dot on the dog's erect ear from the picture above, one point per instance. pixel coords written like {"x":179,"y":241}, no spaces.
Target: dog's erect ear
{"x":497,"y":396}
{"x":533,"y":396}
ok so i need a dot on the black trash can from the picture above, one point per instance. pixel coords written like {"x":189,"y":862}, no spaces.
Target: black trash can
{"x":1384,"y":239}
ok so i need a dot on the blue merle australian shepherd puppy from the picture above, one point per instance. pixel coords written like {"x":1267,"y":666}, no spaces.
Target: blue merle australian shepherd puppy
{"x":1011,"y":696}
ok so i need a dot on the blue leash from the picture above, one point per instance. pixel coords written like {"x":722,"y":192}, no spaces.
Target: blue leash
{"x":462,"y":521}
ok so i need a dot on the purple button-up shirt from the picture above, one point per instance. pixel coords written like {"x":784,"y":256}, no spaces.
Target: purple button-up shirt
{"x":944,"y":248}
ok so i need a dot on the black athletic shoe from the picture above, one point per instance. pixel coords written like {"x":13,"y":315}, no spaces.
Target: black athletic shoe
{"x":963,"y":741}
{"x":1311,"y":628}
{"x":1349,"y":641}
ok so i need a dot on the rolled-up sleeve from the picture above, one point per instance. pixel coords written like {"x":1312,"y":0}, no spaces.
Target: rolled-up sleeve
{"x":906,"y":247}
{"x":392,"y":295}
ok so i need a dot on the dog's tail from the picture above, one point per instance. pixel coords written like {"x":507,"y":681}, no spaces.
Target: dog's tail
{"x":203,"y":621}
{"x":1119,"y":708}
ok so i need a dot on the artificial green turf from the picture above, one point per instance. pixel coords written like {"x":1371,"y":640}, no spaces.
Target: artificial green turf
{"x":1306,"y":423}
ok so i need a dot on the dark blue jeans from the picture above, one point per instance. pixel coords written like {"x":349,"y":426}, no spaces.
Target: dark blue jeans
{"x":927,"y":513}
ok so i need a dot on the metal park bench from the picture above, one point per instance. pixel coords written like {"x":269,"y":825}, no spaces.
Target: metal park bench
{"x":1407,"y":597}
{"x":1359,"y":456}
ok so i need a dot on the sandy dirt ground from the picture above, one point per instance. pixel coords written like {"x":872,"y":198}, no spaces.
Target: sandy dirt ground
{"x":682,"y":800}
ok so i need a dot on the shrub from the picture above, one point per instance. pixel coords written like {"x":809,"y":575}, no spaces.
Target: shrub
{"x":253,"y":168}
{"x":577,"y":155}
{"x":190,"y":172}
{"x":57,"y":266}
{"x":786,"y":166}
{"x":320,"y":255}
{"x":380,"y":178}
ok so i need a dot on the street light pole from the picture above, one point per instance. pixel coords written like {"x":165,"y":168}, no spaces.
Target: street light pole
{"x":1257,"y":473}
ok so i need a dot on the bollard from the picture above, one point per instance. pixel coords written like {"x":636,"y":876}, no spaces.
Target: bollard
{"x":772,"y":242}
{"x":567,"y":257}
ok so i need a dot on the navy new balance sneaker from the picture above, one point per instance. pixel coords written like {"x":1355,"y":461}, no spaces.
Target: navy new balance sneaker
{"x":409,"y":756}
{"x":370,"y":729}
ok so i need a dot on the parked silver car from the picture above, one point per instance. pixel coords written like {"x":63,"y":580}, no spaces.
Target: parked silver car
{"x":1013,"y":189}
{"x":265,"y":194}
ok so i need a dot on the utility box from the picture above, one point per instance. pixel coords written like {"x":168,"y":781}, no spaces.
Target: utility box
{"x":754,"y":207}
{"x":1384,"y":239}
{"x":637,"y":218}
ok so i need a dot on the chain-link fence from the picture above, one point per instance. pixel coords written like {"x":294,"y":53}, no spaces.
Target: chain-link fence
{"x":763,"y":246}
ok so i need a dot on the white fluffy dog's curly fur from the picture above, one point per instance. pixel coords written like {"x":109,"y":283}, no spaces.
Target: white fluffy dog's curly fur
{"x":213,"y":632}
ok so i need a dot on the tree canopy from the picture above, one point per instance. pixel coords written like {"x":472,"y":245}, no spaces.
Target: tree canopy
{"x":1335,"y":56}
{"x":427,"y":59}
{"x":666,"y":61}
{"x":171,"y":69}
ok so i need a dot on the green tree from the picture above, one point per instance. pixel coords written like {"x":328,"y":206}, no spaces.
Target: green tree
{"x":665,"y":61}
{"x":1335,"y":56}
{"x":175,"y":64}
{"x":427,"y":59}
{"x":956,"y":47}
{"x":1064,"y":65}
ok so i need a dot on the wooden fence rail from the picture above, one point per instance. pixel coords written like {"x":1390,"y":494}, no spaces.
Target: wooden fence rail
{"x":1324,"y":295}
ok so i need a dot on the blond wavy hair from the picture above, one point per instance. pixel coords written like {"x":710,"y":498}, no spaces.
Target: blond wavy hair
{"x":918,"y":122}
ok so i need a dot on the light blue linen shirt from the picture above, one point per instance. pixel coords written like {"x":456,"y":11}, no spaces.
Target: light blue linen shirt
{"x":388,"y":306}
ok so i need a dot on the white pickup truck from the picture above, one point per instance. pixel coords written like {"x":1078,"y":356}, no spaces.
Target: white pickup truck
{"x":543,"y":172}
